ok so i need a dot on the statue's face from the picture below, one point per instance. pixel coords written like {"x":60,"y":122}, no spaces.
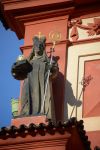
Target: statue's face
{"x":38,"y":46}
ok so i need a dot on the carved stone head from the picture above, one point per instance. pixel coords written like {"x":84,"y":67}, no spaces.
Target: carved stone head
{"x":39,"y":44}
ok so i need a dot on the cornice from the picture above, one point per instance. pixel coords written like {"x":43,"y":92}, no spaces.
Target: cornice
{"x":85,"y":41}
{"x":23,"y":4}
{"x":27,"y":47}
{"x":52,"y":133}
{"x":44,"y":15}
{"x":67,"y":41}
{"x":18,"y":12}
{"x":86,"y":10}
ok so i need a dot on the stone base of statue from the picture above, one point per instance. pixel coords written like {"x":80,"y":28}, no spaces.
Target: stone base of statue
{"x":28,"y":120}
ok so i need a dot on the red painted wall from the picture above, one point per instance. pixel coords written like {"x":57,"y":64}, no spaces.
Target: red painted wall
{"x":91,"y":103}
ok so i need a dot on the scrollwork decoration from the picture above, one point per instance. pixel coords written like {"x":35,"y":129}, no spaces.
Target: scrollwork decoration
{"x":92,"y":28}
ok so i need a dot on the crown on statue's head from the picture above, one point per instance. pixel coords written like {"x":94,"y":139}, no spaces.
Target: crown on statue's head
{"x":39,"y":37}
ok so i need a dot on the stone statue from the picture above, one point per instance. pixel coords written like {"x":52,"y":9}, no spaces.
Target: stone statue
{"x":37,"y":84}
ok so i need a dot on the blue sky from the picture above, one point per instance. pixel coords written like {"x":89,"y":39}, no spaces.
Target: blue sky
{"x":9,"y":87}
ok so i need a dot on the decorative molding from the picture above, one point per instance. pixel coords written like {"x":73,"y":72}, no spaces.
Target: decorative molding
{"x":76,"y":57}
{"x":44,"y":15}
{"x":33,"y":3}
{"x":44,"y":136}
{"x":87,"y":119}
{"x":92,"y":28}
{"x":17,"y":13}
{"x":27,"y":47}
{"x":87,"y":10}
{"x":84,"y":41}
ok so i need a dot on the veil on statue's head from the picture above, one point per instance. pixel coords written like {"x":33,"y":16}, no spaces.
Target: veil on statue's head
{"x":39,"y":40}
{"x":39,"y":43}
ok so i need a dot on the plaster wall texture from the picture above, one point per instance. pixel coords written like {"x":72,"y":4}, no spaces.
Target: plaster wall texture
{"x":78,"y":56}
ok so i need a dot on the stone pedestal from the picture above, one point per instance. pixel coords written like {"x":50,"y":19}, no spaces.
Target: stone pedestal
{"x":28,"y":120}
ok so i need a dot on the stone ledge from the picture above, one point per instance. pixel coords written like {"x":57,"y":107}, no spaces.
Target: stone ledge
{"x":28,"y":120}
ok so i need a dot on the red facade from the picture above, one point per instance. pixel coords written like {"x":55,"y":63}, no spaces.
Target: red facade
{"x":78,"y":22}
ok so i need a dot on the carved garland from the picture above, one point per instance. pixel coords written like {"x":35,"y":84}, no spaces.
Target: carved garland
{"x":92,"y":28}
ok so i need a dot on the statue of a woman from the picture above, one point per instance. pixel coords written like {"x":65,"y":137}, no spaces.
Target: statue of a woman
{"x":34,"y":85}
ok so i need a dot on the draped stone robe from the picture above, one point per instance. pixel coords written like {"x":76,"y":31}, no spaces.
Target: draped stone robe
{"x":33,"y":90}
